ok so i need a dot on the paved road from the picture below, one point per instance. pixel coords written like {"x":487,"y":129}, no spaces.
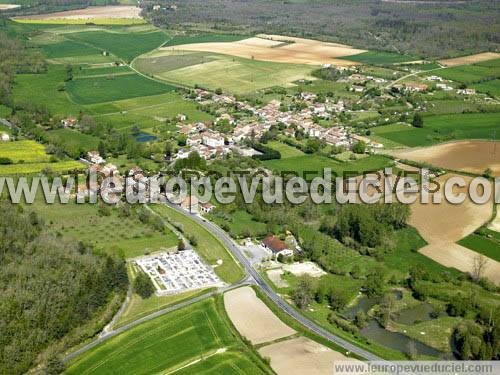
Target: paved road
{"x":259,"y":280}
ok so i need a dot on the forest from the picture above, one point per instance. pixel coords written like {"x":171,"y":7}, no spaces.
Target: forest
{"x":50,"y":288}
{"x":433,"y":29}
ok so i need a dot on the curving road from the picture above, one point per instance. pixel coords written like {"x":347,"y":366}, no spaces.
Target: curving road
{"x":270,"y":293}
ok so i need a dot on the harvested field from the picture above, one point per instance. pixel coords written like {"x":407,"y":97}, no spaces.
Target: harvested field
{"x":252,"y":318}
{"x":120,"y":11}
{"x":471,"y":59}
{"x":278,"y":48}
{"x":442,"y":225}
{"x":468,"y":156}
{"x":301,"y":356}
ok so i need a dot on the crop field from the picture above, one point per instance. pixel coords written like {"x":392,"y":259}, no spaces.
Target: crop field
{"x":105,"y":89}
{"x":380,"y":58}
{"x":158,"y":62}
{"x":468,"y":156}
{"x":24,"y":151}
{"x":69,"y":48}
{"x":203,"y":38}
{"x":119,"y":235}
{"x":310,"y":166}
{"x":233,"y":74}
{"x":207,"y":246}
{"x":441,"y":128}
{"x":277,"y":48}
{"x":73,"y":140}
{"x":194,"y":337}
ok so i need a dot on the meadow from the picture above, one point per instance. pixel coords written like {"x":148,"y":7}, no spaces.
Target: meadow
{"x":489,"y":87}
{"x":488,"y":245}
{"x":471,"y":73}
{"x":232,"y":74}
{"x":379,"y":58}
{"x":310,"y":166}
{"x":441,"y":128}
{"x":207,"y":246}
{"x":189,"y":337}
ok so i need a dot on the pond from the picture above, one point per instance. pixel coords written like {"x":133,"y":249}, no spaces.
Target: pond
{"x":143,"y":137}
{"x":365,"y":304}
{"x":397,"y":341}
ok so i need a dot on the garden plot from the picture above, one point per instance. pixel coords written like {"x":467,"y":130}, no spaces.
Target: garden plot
{"x":178,"y":272}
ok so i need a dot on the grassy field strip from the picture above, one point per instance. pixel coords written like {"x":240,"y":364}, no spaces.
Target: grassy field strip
{"x":203,"y":357}
{"x":208,"y":246}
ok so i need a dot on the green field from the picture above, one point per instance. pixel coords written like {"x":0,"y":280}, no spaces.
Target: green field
{"x":471,"y":73}
{"x":203,"y":38}
{"x":379,"y":58}
{"x":123,"y":42}
{"x":208,"y":246}
{"x":240,"y":224}
{"x":105,"y":89}
{"x":489,"y":87}
{"x":285,"y":150}
{"x":35,"y":168}
{"x":159,"y":62}
{"x":187,"y":337}
{"x":109,"y":233}
{"x":232,"y":74}
{"x":46,"y":90}
{"x":147,"y":111}
{"x":489,"y":247}
{"x":310,"y":166}
{"x":440,"y":129}
{"x":68,"y":48}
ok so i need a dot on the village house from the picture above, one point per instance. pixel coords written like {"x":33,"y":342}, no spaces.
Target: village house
{"x":466,"y":91}
{"x":4,"y":137}
{"x":212,"y":139}
{"x":206,"y":207}
{"x":69,"y":122}
{"x":181,"y":117}
{"x":416,"y":87}
{"x":276,"y":246}
{"x":95,"y":158}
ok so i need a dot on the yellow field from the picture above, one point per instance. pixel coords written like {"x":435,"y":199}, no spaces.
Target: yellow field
{"x":278,"y":48}
{"x":471,"y":59}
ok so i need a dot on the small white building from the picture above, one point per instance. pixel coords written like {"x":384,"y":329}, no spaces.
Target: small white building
{"x":95,"y":157}
{"x":4,"y":137}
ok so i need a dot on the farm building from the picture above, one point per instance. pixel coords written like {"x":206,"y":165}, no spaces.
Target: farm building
{"x":276,"y":246}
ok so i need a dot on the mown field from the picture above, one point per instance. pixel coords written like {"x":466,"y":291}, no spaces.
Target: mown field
{"x":185,"y":340}
{"x":487,"y":244}
{"x":472,"y":73}
{"x":440,"y":129}
{"x":310,"y":166}
{"x":232,"y":74}
{"x":73,"y":140}
{"x":208,"y":246}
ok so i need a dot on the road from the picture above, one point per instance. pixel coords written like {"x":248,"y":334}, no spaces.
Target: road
{"x":270,"y":293}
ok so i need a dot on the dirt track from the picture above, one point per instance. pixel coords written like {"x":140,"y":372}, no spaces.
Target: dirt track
{"x":252,"y":318}
{"x":279,"y":49}
{"x":119,"y":11}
